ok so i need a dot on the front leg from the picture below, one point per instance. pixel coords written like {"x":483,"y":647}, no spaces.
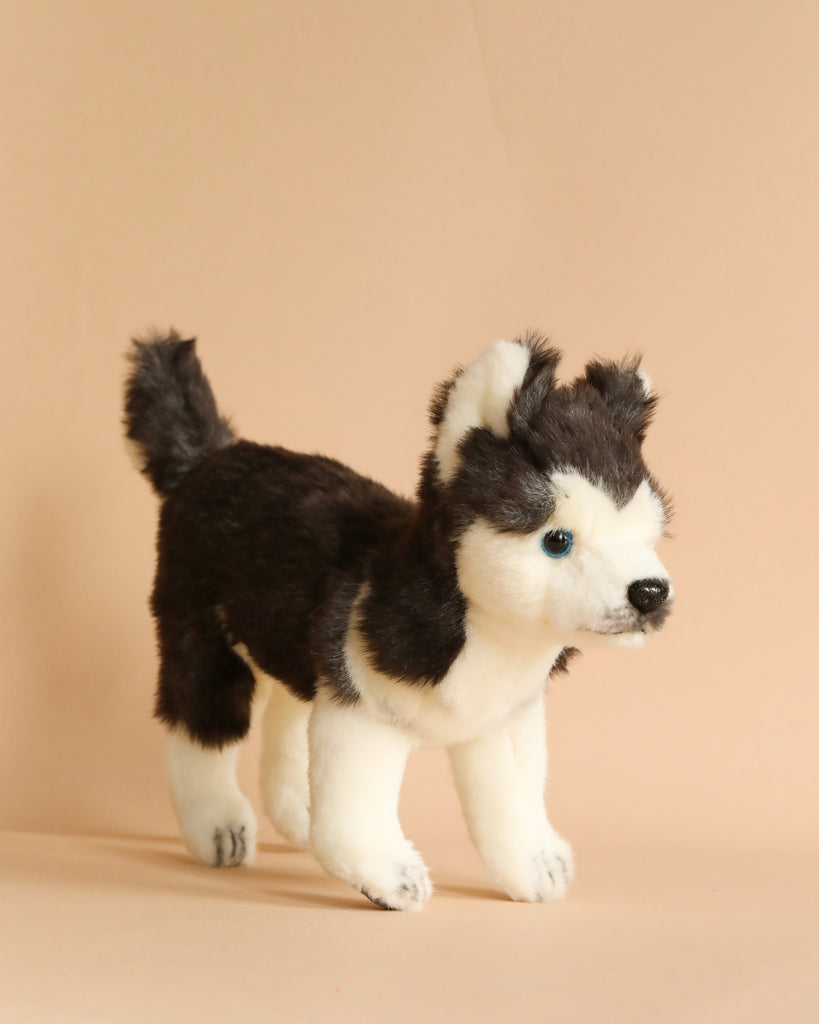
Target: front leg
{"x":356,"y":766}
{"x":500,"y":778}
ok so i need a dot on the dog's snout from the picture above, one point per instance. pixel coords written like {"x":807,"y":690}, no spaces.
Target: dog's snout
{"x":648,"y":595}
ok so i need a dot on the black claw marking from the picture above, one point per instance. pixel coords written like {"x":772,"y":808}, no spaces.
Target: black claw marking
{"x":238,"y":846}
{"x":563,"y":865}
{"x":417,"y":890}
{"x":378,"y":902}
{"x":408,"y":886}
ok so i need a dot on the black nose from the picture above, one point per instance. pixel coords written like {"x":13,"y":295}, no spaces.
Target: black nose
{"x":647,"y":595}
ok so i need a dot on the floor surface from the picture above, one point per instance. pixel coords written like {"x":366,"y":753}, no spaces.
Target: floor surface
{"x":120,"y":930}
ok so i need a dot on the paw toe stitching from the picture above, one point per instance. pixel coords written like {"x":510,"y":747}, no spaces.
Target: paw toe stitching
{"x":233,"y":845}
{"x":217,"y":842}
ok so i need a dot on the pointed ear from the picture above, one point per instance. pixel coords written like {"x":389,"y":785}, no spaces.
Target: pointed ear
{"x":479,"y":396}
{"x":626,"y":389}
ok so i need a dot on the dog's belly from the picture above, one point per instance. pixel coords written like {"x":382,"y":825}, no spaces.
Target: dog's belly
{"x":495,"y":673}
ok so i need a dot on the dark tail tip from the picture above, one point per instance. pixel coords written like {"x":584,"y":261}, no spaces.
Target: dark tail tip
{"x":171,"y":420}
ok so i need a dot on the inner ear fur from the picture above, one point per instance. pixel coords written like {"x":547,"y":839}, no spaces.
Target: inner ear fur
{"x":488,"y":394}
{"x":528,"y":405}
{"x":626,"y":389}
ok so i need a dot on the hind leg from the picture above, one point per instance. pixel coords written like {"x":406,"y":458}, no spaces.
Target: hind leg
{"x":204,"y":698}
{"x":284,"y":773}
{"x":216,"y":819}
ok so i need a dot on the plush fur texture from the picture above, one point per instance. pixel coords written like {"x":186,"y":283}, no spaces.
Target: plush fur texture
{"x":372,"y":625}
{"x":170,"y":412}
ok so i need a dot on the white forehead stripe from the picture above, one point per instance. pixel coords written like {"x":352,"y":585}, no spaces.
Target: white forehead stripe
{"x":480,"y":397}
{"x":589,"y":510}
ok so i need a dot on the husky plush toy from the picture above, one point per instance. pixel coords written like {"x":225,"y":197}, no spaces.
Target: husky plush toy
{"x":372,"y":625}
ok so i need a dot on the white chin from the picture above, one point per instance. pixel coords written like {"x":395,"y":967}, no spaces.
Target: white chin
{"x":589,"y":640}
{"x":628,"y":640}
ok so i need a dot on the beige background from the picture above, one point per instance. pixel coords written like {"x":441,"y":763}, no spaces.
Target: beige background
{"x":342,"y":200}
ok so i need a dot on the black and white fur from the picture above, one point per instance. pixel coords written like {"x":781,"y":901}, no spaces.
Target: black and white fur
{"x":369,"y":625}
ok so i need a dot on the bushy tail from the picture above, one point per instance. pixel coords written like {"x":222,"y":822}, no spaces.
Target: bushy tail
{"x":171,"y":419}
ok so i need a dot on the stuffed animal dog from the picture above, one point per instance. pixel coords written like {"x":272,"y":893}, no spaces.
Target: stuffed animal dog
{"x":373,"y":625}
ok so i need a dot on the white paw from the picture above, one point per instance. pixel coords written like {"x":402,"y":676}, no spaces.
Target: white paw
{"x":291,"y":816}
{"x":394,"y":881}
{"x":396,"y":886}
{"x":220,"y":836}
{"x":540,"y":875}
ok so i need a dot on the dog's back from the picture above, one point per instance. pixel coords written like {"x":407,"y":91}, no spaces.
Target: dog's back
{"x":269,"y":547}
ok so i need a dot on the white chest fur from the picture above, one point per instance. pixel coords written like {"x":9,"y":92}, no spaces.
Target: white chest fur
{"x":498,"y":670}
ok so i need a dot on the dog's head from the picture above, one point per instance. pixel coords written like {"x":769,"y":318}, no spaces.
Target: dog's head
{"x":552,"y":510}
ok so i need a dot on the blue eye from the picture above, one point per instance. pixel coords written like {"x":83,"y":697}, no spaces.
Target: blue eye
{"x":557,"y":543}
